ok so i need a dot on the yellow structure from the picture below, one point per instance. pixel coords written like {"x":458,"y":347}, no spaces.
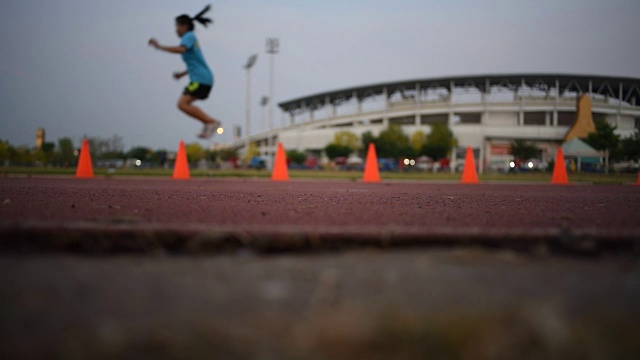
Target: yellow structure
{"x":40,"y":138}
{"x":584,"y":124}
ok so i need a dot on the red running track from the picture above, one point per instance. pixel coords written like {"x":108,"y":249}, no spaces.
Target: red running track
{"x":323,"y":206}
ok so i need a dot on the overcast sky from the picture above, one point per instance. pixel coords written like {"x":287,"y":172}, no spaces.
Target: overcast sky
{"x":84,"y":68}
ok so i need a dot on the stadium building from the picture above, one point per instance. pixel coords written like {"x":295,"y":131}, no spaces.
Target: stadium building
{"x":486,"y":112}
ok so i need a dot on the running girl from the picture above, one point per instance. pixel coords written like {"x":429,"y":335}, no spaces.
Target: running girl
{"x":201,"y":76}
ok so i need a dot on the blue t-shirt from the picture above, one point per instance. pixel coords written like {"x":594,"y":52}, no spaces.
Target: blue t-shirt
{"x":196,"y":65}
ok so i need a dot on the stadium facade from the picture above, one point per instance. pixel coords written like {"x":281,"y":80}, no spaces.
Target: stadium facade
{"x":486,"y":112}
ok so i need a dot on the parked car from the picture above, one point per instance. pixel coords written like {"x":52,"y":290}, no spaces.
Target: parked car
{"x":257,"y":163}
{"x":387,"y":164}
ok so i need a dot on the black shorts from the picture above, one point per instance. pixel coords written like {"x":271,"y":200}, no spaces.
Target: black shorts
{"x":197,"y":90}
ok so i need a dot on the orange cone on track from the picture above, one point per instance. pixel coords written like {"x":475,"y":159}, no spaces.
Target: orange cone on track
{"x":560,"y":169}
{"x":470,"y":174}
{"x":85,"y":166}
{"x":280,"y":170}
{"x":371,"y":170}
{"x":181,"y":168}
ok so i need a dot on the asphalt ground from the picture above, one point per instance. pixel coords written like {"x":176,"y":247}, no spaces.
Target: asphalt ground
{"x":243,"y":269}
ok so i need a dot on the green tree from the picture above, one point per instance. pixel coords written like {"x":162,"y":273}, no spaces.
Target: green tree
{"x":630,"y":147}
{"x":605,"y":138}
{"x":46,"y":154}
{"x":393,"y":143}
{"x":159,"y":157}
{"x":348,"y":139}
{"x":439,"y":143}
{"x":366,"y":139}
{"x":195,"y":152}
{"x":5,"y":151}
{"x":418,"y":139}
{"x":227,"y":154}
{"x":22,"y":155}
{"x":66,"y":151}
{"x":109,"y":148}
{"x":522,"y":150}
{"x":334,"y":151}
{"x":140,"y":152}
{"x":297,"y":157}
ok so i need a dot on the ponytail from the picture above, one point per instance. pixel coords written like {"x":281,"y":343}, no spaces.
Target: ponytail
{"x":188,"y":20}
{"x":201,"y":19}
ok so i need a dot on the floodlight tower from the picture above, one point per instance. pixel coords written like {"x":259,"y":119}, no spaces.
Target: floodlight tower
{"x":264,"y":101}
{"x":273,"y":46}
{"x":250,"y":62}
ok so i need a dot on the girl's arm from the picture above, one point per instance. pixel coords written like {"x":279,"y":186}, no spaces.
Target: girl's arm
{"x":171,"y":49}
{"x":178,"y":74}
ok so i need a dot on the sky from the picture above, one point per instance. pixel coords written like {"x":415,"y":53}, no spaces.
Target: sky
{"x":83,"y":68}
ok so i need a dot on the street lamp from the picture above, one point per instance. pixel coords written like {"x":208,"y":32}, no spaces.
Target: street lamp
{"x":273,"y":46}
{"x":250,"y":62}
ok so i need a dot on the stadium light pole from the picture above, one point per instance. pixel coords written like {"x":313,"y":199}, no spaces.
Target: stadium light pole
{"x":263,"y":102}
{"x":273,"y":46}
{"x":250,"y":62}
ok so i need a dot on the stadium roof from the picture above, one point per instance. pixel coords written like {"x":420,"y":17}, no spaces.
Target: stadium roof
{"x":604,"y":85}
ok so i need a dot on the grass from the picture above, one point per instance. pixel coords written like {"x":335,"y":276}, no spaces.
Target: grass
{"x":330,"y":175}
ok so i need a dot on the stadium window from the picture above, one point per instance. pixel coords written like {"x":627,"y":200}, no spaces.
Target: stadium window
{"x":374,"y":122}
{"x":469,"y":118}
{"x":535,"y":118}
{"x":566,"y":118}
{"x":434,"y":119}
{"x":405,"y":120}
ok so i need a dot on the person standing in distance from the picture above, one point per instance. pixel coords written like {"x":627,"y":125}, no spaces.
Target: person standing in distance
{"x":202,"y":78}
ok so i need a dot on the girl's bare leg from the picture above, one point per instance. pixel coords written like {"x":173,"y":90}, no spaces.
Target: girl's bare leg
{"x":185,"y":104}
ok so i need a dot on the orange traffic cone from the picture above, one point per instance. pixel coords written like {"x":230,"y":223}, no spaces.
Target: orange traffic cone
{"x":470,"y":174}
{"x":181,"y":168}
{"x":280,"y":170}
{"x":85,"y":166}
{"x":560,"y":169}
{"x":371,"y":170}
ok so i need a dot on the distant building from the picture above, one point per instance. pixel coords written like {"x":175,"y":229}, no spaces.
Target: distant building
{"x":486,"y":112}
{"x":40,"y":138}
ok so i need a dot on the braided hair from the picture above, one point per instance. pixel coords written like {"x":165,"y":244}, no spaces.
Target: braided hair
{"x":189,"y":21}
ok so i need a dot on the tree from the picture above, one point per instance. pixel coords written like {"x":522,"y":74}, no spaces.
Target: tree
{"x":5,"y":151}
{"x":46,"y":153}
{"x":366,"y":139}
{"x":22,"y":155}
{"x":297,"y":157}
{"x":630,"y":147}
{"x":439,"y":142}
{"x":522,"y":150}
{"x":140,"y":152}
{"x":334,"y":151}
{"x":348,"y":139}
{"x":418,"y":139}
{"x":604,"y":139}
{"x":195,"y":152}
{"x":344,"y":143}
{"x":159,"y":157}
{"x":227,"y":154}
{"x":66,"y":150}
{"x":393,"y":143}
{"x":110,"y":148}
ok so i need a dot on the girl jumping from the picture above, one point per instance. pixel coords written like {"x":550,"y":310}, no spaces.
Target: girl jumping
{"x":201,"y":76}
